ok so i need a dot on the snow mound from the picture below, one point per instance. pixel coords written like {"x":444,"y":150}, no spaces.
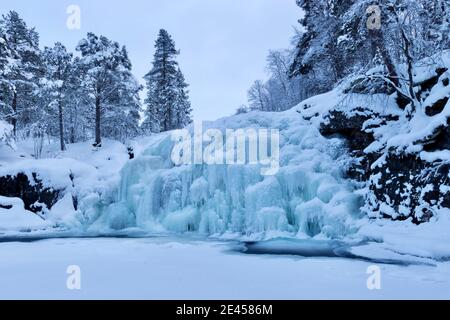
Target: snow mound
{"x":428,"y":240}
{"x":6,"y":134}
{"x":82,"y":177}
{"x":13,"y":217}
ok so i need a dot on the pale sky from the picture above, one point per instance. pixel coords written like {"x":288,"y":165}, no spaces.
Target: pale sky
{"x":223,"y":43}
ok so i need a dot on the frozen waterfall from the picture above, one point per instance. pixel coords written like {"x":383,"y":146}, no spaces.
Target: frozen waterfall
{"x":306,"y":198}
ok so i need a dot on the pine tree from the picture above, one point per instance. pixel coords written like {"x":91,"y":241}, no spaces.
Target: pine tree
{"x":4,"y":57}
{"x":168,"y":105}
{"x":97,"y":64}
{"x":55,"y":87}
{"x":121,"y":120}
{"x":316,"y":58}
{"x":183,"y":106}
{"x":21,"y":71}
{"x":107,"y":82}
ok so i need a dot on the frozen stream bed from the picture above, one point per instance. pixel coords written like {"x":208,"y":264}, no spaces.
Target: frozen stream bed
{"x":169,"y":268}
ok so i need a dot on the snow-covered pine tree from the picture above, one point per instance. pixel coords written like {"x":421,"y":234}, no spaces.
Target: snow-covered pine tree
{"x":121,"y":121}
{"x":78,"y":115}
{"x":168,"y":105}
{"x":4,"y":58}
{"x":107,"y":82}
{"x":22,"y":69}
{"x":55,"y":88}
{"x":183,"y":108}
{"x":316,"y":58}
{"x":161,"y":85}
{"x":97,"y":65}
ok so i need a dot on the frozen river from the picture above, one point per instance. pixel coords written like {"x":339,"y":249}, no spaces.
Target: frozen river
{"x":164,"y":268}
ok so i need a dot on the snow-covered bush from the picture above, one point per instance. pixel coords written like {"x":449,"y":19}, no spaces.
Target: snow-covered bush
{"x":6,"y":134}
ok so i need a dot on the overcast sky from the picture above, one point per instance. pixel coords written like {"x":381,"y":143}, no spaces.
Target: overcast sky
{"x":223,"y":43}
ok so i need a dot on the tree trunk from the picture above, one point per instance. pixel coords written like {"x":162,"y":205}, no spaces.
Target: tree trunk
{"x":72,"y":135}
{"x":14,"y":118}
{"x":377,"y":42}
{"x":61,"y":126}
{"x":98,"y":136}
{"x":409,"y":62}
{"x":168,"y":125}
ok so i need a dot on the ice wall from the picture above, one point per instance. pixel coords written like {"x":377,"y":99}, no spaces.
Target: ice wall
{"x":307,"y":197}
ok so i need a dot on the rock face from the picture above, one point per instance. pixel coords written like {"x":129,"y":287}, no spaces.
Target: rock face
{"x":404,"y":186}
{"x":352,"y":128}
{"x":400,"y":183}
{"x":35,"y":196}
{"x":349,"y":127}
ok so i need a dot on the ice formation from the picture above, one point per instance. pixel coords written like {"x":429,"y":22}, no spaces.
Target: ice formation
{"x":307,"y":197}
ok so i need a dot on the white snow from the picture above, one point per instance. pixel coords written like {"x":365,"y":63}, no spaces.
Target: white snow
{"x":428,"y":240}
{"x":5,"y":129}
{"x":168,"y":269}
{"x":14,"y":217}
{"x":81,"y":172}
{"x":435,"y":156}
{"x":5,"y":134}
{"x":406,"y":134}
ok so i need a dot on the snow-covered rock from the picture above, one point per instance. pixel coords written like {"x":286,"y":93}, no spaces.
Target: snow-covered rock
{"x":14,"y":217}
{"x":402,"y":155}
{"x":62,"y":187}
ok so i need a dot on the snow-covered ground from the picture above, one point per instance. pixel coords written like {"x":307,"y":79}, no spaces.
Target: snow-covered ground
{"x":174,"y":269}
{"x":13,"y":216}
